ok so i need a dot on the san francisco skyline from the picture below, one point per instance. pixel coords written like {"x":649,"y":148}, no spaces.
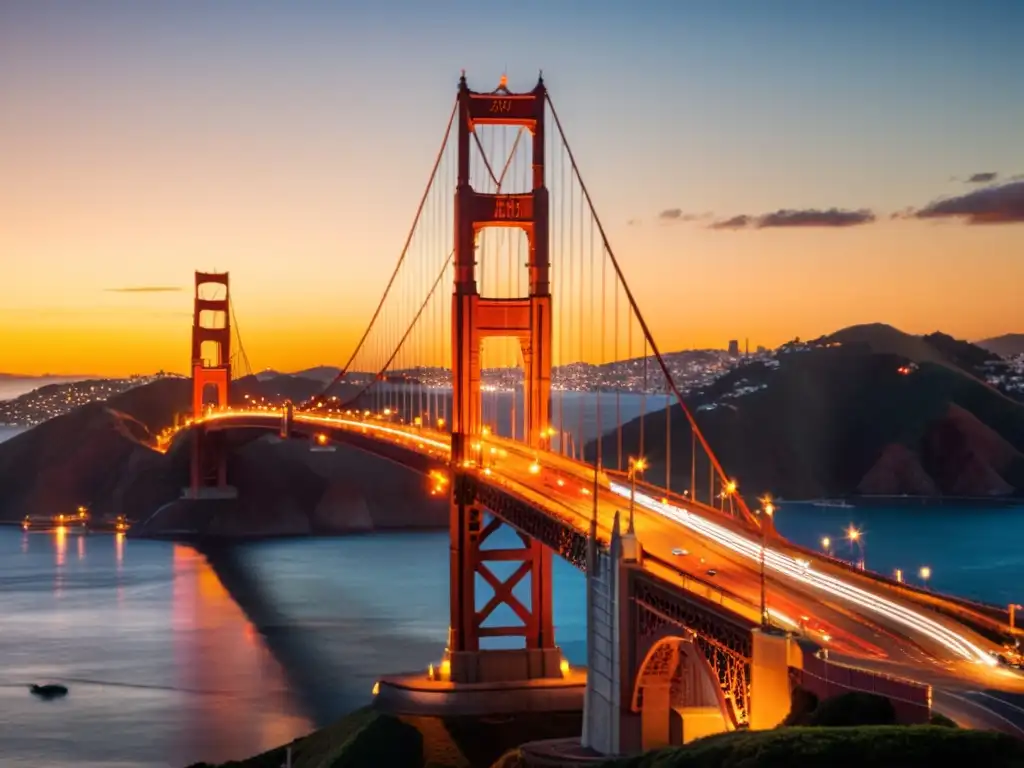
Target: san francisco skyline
{"x":142,"y":143}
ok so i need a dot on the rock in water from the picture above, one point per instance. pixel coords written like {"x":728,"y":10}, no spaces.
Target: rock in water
{"x":49,"y":691}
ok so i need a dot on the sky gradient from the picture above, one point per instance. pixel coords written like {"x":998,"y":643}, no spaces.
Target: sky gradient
{"x":142,"y":141}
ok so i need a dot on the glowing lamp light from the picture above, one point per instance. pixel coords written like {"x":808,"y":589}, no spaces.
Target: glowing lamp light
{"x":730,"y":487}
{"x":376,"y":688}
{"x":564,"y":667}
{"x":535,"y":468}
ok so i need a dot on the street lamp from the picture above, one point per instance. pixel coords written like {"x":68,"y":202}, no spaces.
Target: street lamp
{"x":856,"y":537}
{"x":728,"y":491}
{"x":925,"y":573}
{"x":768,"y":510}
{"x":636,"y":466}
{"x":826,"y":544}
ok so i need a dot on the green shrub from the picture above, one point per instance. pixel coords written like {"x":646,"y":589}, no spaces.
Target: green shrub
{"x":801,"y":707}
{"x":938,"y":718}
{"x":853,"y":708}
{"x":384,"y":741}
{"x":899,"y":746}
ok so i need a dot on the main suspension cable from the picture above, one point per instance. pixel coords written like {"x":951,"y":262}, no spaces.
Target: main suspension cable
{"x":649,"y":338}
{"x":401,"y":258}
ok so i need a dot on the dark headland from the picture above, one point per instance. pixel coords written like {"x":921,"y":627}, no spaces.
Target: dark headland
{"x":101,"y":455}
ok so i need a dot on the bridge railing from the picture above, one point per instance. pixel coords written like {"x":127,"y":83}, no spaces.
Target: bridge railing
{"x":825,"y":678}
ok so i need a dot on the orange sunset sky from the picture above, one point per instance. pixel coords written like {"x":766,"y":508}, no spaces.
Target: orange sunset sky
{"x":141,"y":142}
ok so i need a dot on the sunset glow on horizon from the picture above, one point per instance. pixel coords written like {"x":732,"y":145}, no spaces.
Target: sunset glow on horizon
{"x":144,"y":142}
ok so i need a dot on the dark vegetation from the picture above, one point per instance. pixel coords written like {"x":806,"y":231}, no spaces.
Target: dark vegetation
{"x":369,"y":739}
{"x":890,"y":746}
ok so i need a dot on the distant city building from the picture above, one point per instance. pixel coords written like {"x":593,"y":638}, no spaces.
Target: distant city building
{"x":734,"y":348}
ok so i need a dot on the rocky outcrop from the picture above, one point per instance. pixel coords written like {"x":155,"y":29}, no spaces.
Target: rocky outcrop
{"x":897,"y":471}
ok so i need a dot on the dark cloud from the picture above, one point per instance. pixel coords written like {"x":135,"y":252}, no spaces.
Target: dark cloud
{"x":833,"y":217}
{"x":982,"y":178}
{"x":677,"y":214}
{"x":736,"y":222}
{"x":145,"y":289}
{"x":993,"y":205}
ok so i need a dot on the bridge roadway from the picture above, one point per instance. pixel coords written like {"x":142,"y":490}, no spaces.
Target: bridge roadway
{"x":862,"y":622}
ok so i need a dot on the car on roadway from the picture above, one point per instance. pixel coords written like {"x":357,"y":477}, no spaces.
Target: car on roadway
{"x":712,"y":572}
{"x":680,"y":552}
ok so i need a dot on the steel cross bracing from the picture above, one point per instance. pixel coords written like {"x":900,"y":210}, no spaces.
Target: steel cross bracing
{"x":725,"y":641}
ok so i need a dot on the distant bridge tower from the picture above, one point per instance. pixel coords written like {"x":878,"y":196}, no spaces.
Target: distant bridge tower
{"x":475,"y":318}
{"x":211,"y":325}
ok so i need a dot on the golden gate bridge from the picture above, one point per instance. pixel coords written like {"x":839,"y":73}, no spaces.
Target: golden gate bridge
{"x":682,"y":574}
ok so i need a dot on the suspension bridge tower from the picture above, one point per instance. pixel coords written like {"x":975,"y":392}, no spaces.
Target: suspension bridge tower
{"x":475,"y":318}
{"x":211,"y":334}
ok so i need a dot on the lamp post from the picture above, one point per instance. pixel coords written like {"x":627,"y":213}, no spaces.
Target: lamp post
{"x":636,"y":466}
{"x":826,"y":544}
{"x":856,"y":537}
{"x":728,"y":491}
{"x":769,"y":510}
{"x":925,"y":573}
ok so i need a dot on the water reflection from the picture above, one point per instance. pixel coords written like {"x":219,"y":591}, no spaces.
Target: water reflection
{"x":220,"y":654}
{"x":60,"y":550}
{"x":163,"y":667}
{"x":60,"y":545}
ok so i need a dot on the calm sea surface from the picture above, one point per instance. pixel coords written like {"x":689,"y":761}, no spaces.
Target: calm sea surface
{"x":166,"y":668}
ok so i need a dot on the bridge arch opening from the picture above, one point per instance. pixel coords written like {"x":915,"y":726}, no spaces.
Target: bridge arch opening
{"x":211,"y":353}
{"x":677,"y":695}
{"x":211,"y":394}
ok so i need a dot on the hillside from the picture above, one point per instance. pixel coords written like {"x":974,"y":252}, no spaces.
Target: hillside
{"x":844,"y":420}
{"x":1007,"y":345}
{"x":937,"y":347}
{"x":100,"y":455}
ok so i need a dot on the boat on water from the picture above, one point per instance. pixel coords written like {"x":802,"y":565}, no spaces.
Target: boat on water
{"x":834,"y":503}
{"x":79,"y":522}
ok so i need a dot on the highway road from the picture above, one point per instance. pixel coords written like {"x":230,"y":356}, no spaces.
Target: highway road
{"x":862,"y":624}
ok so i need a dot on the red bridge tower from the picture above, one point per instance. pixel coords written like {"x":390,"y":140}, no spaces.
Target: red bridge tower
{"x":475,"y":318}
{"x":211,"y":325}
